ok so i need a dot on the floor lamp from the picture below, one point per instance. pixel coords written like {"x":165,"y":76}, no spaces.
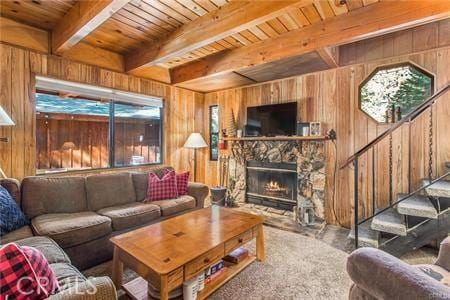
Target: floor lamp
{"x":5,"y":120}
{"x":195,"y":141}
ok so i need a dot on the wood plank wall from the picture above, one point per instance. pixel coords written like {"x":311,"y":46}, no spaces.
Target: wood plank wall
{"x":331,"y":97}
{"x":18,"y":67}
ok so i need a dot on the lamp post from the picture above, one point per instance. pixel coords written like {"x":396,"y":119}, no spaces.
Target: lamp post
{"x":5,"y":120}
{"x":195,"y":141}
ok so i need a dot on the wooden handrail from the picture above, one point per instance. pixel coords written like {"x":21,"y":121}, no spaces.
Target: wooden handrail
{"x":411,"y":116}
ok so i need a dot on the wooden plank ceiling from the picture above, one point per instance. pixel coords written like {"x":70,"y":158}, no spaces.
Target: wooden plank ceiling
{"x":136,"y":25}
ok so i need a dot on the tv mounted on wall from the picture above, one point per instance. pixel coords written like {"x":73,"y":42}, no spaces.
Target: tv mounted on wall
{"x":272,"y":120}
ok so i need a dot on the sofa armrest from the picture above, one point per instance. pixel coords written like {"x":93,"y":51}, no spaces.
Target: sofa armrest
{"x":13,"y":187}
{"x":444,"y":254}
{"x":94,"y":288}
{"x":199,"y":191}
{"x":383,"y":276}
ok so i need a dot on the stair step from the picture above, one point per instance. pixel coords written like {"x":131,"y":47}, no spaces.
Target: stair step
{"x":419,"y":206}
{"x":390,"y":221}
{"x":367,"y":237}
{"x":438,"y":189}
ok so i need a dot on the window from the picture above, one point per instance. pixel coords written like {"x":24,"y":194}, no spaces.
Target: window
{"x":78,"y":132}
{"x":398,"y":87}
{"x":213,"y":132}
{"x":137,"y":134}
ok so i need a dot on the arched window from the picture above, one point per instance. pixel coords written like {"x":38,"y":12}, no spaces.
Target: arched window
{"x":391,"y":92}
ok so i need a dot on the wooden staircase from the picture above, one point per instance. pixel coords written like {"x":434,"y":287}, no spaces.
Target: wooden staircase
{"x":412,"y":220}
{"x":407,"y":220}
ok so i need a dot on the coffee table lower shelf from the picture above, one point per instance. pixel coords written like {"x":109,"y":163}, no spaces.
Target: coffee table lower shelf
{"x":137,"y":288}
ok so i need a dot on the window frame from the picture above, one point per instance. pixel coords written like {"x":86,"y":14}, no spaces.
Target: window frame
{"x":111,"y":137}
{"x":211,"y":134}
{"x":410,"y":64}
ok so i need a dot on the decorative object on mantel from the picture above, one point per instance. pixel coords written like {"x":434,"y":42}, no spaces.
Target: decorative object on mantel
{"x":302,"y":129}
{"x":5,"y":120}
{"x":315,"y":129}
{"x":195,"y":141}
{"x":231,"y":125}
{"x":222,"y":142}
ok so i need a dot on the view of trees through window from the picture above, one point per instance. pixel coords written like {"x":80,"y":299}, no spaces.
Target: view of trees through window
{"x":403,"y":87}
{"x":214,"y":132}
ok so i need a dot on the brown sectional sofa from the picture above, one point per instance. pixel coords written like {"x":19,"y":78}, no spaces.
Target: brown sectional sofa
{"x":78,"y":215}
{"x":379,"y":275}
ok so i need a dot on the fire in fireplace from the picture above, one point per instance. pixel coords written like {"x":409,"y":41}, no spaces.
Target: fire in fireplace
{"x":272,"y":184}
{"x":275,"y":189}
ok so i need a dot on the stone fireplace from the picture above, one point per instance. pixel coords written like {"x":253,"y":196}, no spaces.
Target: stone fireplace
{"x":278,"y":174}
{"x":272,"y":184}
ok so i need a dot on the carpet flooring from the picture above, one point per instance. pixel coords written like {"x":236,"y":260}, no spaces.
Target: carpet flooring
{"x":296,"y":267}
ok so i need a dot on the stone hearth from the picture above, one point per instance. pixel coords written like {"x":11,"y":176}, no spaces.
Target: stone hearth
{"x":308,"y":156}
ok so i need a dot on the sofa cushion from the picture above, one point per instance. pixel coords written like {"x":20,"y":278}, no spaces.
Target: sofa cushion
{"x":18,"y":234}
{"x":42,"y":195}
{"x":11,"y":217}
{"x":25,"y":271}
{"x":131,"y":214}
{"x":72,"y":229}
{"x":67,"y":275}
{"x":108,"y":190}
{"x":162,"y":188}
{"x":172,"y":206}
{"x":140,"y":180}
{"x":51,"y":250}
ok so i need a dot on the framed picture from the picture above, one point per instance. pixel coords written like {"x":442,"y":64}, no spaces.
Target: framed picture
{"x":315,"y":129}
{"x":302,"y":129}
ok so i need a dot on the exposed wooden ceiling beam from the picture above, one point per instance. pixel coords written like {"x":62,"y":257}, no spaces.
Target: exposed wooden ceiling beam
{"x":366,"y":22}
{"x":82,"y":19}
{"x":329,"y":56}
{"x":229,"y":19}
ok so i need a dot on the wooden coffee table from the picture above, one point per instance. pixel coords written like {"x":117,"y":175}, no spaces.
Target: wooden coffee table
{"x":175,"y":250}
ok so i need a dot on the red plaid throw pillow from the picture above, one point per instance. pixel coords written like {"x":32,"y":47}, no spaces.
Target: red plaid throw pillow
{"x":182,"y":182}
{"x":161,"y":189}
{"x":25,"y":274}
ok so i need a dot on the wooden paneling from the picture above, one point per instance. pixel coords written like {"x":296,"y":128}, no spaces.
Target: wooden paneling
{"x":41,"y":14}
{"x":219,"y":82}
{"x":19,"y":34}
{"x":298,"y":65}
{"x":420,"y":38}
{"x":380,"y":18}
{"x":83,"y":18}
{"x":230,"y":19}
{"x":19,"y":66}
{"x":331,"y":97}
{"x":23,"y":35}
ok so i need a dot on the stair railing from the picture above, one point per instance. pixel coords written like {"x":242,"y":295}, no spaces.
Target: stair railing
{"x":388,"y":133}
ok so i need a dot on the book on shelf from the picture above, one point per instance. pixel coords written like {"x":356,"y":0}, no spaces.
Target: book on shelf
{"x":214,"y":276}
{"x":236,"y":256}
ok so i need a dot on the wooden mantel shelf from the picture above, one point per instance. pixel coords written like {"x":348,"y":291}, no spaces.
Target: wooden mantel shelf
{"x":278,"y":138}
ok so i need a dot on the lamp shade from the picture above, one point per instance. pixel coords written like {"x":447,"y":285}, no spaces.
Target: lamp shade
{"x":5,"y":120}
{"x":195,"y":140}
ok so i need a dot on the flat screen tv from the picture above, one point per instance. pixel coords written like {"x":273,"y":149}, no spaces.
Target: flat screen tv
{"x":272,"y":120}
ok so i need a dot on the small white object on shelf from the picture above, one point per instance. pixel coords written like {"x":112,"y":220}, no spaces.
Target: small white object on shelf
{"x":201,"y":281}
{"x":190,"y":289}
